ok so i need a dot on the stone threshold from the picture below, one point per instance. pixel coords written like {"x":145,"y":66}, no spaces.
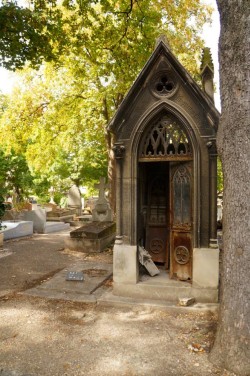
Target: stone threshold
{"x":162,"y":288}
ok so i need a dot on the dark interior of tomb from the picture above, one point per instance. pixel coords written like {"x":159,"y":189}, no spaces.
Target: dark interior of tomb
{"x":154,"y":210}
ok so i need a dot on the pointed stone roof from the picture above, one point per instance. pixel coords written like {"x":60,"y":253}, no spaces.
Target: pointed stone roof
{"x":161,"y":50}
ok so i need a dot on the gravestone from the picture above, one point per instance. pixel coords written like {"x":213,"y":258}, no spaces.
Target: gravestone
{"x":97,"y":235}
{"x":102,"y":211}
{"x":41,"y":225}
{"x":91,"y":237}
{"x":61,"y":215}
{"x":17,"y":229}
{"x":74,"y":199}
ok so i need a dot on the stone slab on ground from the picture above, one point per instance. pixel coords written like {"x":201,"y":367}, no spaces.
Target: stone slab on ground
{"x":17,"y":229}
{"x":58,"y":287}
{"x":66,"y":218}
{"x":55,"y":227}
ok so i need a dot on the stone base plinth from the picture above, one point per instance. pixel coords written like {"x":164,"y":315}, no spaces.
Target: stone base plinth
{"x":203,"y":288}
{"x":126,"y":267}
{"x":163,"y":289}
{"x":206,"y":267}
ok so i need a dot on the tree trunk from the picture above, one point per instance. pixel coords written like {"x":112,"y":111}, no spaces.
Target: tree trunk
{"x":231,"y":349}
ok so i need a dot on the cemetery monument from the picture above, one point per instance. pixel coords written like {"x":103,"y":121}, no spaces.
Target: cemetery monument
{"x":164,"y":136}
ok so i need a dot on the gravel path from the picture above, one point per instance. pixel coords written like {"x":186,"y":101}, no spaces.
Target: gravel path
{"x":44,"y":337}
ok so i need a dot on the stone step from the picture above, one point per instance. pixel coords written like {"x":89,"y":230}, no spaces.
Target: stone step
{"x":161,"y":287}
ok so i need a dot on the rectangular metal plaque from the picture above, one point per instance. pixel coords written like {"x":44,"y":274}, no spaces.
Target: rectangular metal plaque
{"x":75,"y":276}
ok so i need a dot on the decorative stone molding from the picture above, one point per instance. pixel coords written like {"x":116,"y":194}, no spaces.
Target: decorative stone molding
{"x":166,"y":138}
{"x":181,"y":255}
{"x":119,"y":151}
{"x":211,"y":145}
{"x":164,"y":84}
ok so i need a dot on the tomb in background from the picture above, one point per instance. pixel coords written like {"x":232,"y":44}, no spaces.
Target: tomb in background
{"x":98,"y":234}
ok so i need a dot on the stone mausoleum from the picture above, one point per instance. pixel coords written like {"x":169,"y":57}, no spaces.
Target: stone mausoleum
{"x":166,"y":183}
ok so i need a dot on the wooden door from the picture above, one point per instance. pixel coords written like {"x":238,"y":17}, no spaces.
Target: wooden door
{"x":181,"y":220}
{"x":157,"y":223}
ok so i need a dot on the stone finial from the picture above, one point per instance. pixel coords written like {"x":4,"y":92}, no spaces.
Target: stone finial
{"x":162,"y":38}
{"x":207,"y":73}
{"x":207,"y":59}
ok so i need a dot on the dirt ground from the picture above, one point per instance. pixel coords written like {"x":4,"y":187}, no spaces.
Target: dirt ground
{"x":55,"y":337}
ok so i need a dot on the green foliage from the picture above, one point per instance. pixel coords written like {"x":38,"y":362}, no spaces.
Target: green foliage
{"x":59,"y":129}
{"x":15,"y":174}
{"x":41,"y":186}
{"x":220,"y":180}
{"x":110,"y":33}
{"x":32,"y":35}
{"x":57,"y":117}
{"x":3,"y":174}
{"x":2,"y":207}
{"x":3,"y":169}
{"x":3,"y":103}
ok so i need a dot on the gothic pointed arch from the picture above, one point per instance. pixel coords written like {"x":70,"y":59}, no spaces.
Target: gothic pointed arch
{"x":166,"y":138}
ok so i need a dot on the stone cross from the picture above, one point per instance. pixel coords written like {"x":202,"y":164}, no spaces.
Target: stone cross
{"x":102,"y":211}
{"x":102,"y":187}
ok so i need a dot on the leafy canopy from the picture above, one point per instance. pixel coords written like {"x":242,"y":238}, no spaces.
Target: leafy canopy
{"x":15,"y":174}
{"x":106,"y":31}
{"x":29,"y":34}
{"x":94,"y":50}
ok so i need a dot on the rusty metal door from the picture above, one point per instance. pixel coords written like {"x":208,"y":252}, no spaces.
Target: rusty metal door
{"x":181,"y":220}
{"x":157,"y":222}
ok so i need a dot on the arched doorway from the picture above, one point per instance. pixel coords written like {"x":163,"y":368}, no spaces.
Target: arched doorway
{"x":165,"y":170}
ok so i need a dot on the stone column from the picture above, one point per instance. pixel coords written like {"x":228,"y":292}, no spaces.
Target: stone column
{"x":119,"y":152}
{"x":213,"y":193}
{"x":125,"y":264}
